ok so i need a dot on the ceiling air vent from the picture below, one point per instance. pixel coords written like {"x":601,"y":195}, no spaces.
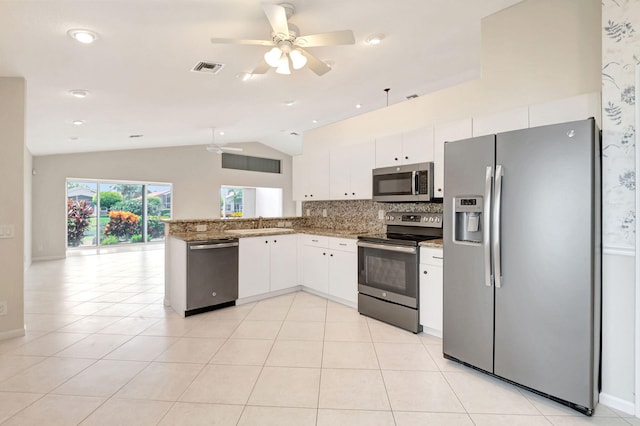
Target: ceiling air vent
{"x":208,"y":67}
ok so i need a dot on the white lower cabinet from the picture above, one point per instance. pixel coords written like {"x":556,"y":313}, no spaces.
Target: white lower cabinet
{"x":331,"y":267}
{"x":431,"y":283}
{"x":267,"y":264}
{"x":316,"y":268}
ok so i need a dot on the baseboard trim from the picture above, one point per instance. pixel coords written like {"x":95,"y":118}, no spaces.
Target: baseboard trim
{"x":617,"y":403}
{"x":18,"y":332}
{"x":45,"y":258}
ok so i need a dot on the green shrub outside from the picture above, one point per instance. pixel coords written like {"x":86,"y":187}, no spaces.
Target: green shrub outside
{"x":136,"y":239}
{"x":106,"y":241}
{"x":108,"y":199}
{"x":78,"y":219}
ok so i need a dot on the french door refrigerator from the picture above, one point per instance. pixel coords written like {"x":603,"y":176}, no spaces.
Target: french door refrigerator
{"x":522,"y":258}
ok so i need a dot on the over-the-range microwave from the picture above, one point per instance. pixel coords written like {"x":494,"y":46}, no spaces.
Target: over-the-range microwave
{"x":401,"y":184}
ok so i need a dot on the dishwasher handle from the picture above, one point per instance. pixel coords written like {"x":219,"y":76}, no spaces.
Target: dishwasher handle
{"x":213,"y":246}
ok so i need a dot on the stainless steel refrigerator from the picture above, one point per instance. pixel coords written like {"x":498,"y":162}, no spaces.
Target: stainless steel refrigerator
{"x":522,"y":258}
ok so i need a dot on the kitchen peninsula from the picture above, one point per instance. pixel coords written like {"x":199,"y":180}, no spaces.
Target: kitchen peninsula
{"x":272,"y":253}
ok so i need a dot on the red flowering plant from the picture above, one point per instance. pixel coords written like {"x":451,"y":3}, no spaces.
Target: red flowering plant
{"x":78,"y":215}
{"x":122,"y":225}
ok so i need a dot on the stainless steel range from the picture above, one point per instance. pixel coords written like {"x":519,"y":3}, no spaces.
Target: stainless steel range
{"x":388,"y":282}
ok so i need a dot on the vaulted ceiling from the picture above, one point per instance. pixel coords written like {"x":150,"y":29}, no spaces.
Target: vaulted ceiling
{"x":139,"y":81}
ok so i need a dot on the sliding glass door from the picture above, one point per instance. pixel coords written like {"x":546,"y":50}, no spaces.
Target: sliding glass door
{"x":107,"y":213}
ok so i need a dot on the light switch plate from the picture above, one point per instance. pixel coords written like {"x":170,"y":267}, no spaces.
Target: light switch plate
{"x":201,"y":228}
{"x":324,"y":212}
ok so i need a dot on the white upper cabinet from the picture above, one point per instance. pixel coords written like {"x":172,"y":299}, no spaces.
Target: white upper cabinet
{"x":389,"y":150}
{"x":415,"y":146}
{"x":453,"y":131}
{"x":567,"y":109}
{"x":311,"y":176}
{"x":350,"y":171}
{"x":503,"y":121}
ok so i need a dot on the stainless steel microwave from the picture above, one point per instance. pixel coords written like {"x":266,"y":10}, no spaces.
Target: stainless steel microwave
{"x":401,"y":184}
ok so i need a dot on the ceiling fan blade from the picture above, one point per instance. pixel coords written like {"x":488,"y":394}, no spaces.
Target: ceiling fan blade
{"x":216,"y":40}
{"x":261,"y":68}
{"x":277,"y":17}
{"x":326,"y":39}
{"x":315,"y":64}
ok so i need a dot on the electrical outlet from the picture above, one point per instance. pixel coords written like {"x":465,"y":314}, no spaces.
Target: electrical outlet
{"x":201,"y":228}
{"x":288,"y":224}
{"x":308,"y":212}
{"x":7,"y":231}
{"x":324,"y":212}
{"x":3,"y":308}
{"x":381,"y":214}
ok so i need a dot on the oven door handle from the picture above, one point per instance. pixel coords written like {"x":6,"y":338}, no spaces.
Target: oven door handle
{"x":397,"y":249}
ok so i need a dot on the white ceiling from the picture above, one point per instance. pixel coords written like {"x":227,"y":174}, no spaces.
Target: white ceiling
{"x":139,"y":79}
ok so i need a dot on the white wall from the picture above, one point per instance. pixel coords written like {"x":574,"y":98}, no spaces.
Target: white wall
{"x":28,"y":187}
{"x":268,"y":202}
{"x":196,"y":176}
{"x":533,"y":52}
{"x":12,"y":189}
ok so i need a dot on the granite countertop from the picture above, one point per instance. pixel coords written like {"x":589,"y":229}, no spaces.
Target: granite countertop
{"x":213,"y":235}
{"x":432,"y":243}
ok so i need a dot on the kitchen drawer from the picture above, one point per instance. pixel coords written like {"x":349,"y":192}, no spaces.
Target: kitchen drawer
{"x":431,"y":256}
{"x":343,"y":244}
{"x":315,"y":240}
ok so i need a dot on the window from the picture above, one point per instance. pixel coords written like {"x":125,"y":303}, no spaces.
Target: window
{"x":237,"y":201}
{"x":101,"y":213}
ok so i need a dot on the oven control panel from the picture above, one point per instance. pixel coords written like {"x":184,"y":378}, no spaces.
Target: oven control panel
{"x":426,"y":220}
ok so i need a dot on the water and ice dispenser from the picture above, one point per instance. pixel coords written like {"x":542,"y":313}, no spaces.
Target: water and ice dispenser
{"x":467,"y":219}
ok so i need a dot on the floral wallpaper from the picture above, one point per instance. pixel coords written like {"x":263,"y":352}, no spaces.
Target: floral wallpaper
{"x":620,"y":56}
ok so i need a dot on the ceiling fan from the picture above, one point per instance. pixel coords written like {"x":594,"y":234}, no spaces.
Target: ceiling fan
{"x":219,"y":148}
{"x":287,"y":44}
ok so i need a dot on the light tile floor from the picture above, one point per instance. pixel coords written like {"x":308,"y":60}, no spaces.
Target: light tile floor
{"x":101,"y":349}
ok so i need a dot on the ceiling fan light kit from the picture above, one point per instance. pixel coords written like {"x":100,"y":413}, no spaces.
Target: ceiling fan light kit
{"x":286,"y":43}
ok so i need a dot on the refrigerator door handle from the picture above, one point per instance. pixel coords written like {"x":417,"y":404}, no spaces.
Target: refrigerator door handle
{"x":486,"y":244}
{"x":497,"y":212}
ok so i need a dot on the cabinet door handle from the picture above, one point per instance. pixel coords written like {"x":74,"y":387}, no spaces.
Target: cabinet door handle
{"x":324,"y":254}
{"x":425,"y":272}
{"x":342,"y":244}
{"x":275,"y":241}
{"x":438,"y":257}
{"x":331,"y":255}
{"x":406,"y":157}
{"x":315,"y":241}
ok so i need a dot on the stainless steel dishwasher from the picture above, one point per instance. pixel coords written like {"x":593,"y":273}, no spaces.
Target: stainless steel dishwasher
{"x":212,"y":275}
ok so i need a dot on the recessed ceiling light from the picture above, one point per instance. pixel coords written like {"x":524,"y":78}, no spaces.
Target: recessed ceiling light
{"x":314,"y":121}
{"x":78,"y":122}
{"x":221,"y":133}
{"x":80,"y":94}
{"x":289,"y":103}
{"x":244,"y":76}
{"x":358,"y":106}
{"x":374,"y":39}
{"x":83,"y":36}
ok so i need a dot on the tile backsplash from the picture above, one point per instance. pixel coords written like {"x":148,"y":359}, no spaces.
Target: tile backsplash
{"x":358,"y":215}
